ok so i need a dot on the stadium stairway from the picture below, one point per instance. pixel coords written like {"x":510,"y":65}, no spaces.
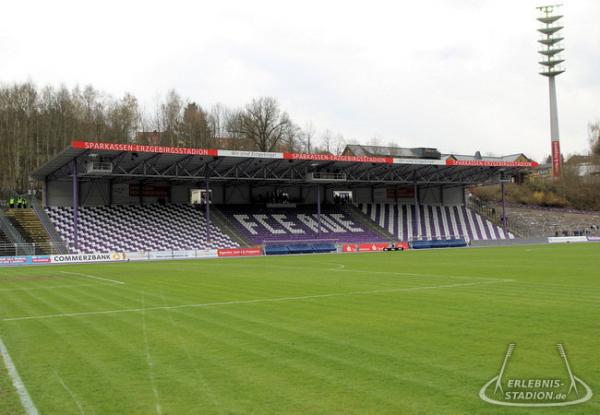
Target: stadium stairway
{"x":360,"y":217}
{"x":6,"y":245}
{"x":27,"y":223}
{"x":494,"y":215}
{"x":221,"y":221}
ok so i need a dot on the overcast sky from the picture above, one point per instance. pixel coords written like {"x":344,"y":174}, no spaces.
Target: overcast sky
{"x":459,"y":75}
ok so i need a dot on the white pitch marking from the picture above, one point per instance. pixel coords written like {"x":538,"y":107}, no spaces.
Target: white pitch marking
{"x":71,"y":393}
{"x":26,"y":401}
{"x":149,"y":359}
{"x":361,"y":271}
{"x":258,"y":300}
{"x":92,"y":276}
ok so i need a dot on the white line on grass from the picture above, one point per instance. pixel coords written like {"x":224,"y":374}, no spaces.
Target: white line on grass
{"x":343,"y":269}
{"x":26,"y":401}
{"x":70,"y":392}
{"x":149,"y":359}
{"x":258,"y":300}
{"x":91,"y":276}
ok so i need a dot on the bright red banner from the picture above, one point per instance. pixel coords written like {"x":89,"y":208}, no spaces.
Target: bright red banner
{"x":556,"y":162}
{"x":138,"y":148}
{"x":489,"y":163}
{"x":226,"y":252}
{"x":371,"y":247}
{"x":331,"y":157}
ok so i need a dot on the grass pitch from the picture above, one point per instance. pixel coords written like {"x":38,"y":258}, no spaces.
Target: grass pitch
{"x":398,"y":333}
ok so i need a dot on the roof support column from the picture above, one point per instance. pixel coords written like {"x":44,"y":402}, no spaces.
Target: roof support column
{"x":504,"y":218}
{"x":417,"y":217}
{"x":318,"y":210}
{"x":207,"y":202}
{"x":75,"y":195}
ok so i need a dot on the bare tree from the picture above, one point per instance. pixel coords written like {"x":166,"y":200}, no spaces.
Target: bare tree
{"x":308,"y":135}
{"x":327,"y":140}
{"x":171,"y":118}
{"x":217,"y":120}
{"x":123,"y":119}
{"x":340,"y":144}
{"x":263,"y":124}
{"x":195,"y":130}
{"x":594,"y":137}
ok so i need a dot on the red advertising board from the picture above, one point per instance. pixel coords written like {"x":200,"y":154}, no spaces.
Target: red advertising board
{"x":490,"y":163}
{"x":148,"y":190}
{"x":40,"y":260}
{"x":400,"y":192}
{"x":227,"y":252}
{"x":138,"y":148}
{"x":371,"y":247}
{"x":331,"y":157}
{"x":556,"y":158}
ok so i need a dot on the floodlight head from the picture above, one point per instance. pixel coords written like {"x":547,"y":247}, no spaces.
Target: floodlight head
{"x":550,"y":40}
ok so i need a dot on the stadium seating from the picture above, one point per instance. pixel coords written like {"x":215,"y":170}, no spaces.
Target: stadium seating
{"x":446,"y":243}
{"x":437,"y":222}
{"x":152,"y":227}
{"x":260,"y":224}
{"x":300,"y":248}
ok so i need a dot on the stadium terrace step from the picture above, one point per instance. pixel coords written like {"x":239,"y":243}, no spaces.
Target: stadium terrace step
{"x":432,"y":222}
{"x":127,"y":228}
{"x":6,"y":246}
{"x":539,"y":222}
{"x":360,"y":217}
{"x":26,"y":222}
{"x":227,"y":227}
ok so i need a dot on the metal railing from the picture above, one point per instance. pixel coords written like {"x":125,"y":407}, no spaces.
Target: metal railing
{"x":47,"y":224}
{"x":21,"y":249}
{"x":12,"y":233}
{"x":492,"y":213}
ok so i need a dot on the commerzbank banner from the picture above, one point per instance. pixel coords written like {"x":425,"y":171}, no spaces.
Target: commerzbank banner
{"x":83,"y":258}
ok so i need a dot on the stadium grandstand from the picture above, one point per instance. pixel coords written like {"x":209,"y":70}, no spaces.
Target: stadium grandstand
{"x":106,"y":197}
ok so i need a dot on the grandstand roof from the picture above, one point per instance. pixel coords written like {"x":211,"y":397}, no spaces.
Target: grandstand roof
{"x":129,"y":162}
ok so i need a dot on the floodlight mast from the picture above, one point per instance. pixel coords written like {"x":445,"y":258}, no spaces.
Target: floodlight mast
{"x":551,"y":62}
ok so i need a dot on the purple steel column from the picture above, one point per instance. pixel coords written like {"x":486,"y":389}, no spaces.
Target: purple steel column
{"x":75,"y":194}
{"x":504,"y":221}
{"x":319,"y":210}
{"x":417,"y":218}
{"x":207,"y":203}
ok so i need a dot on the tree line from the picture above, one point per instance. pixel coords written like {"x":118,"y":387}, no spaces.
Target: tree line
{"x":37,"y":123}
